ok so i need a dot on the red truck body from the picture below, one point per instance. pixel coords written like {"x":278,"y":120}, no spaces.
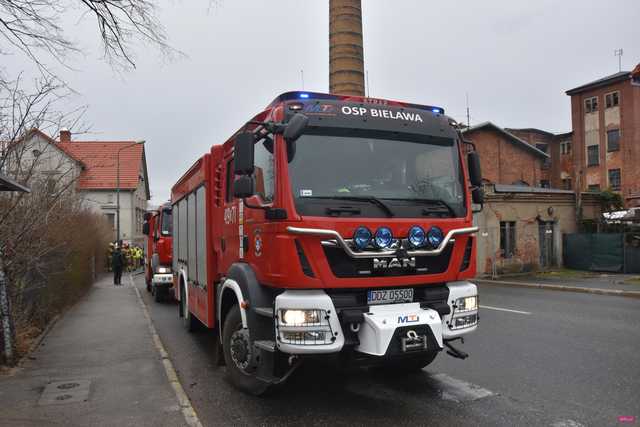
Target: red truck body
{"x":260,"y":252}
{"x":159,"y":252}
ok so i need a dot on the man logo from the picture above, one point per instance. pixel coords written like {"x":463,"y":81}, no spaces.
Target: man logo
{"x":386,"y":263}
{"x":411,"y":318}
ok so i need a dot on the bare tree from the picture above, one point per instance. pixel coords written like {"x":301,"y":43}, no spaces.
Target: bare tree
{"x":33,"y":27}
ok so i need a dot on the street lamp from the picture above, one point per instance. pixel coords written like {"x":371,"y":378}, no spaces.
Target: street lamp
{"x":118,"y":186}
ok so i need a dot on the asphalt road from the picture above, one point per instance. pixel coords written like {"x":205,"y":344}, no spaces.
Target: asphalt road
{"x":557,"y":359}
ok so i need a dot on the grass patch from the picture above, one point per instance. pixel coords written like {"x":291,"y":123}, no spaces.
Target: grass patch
{"x":633,"y":281}
{"x":565,"y":273}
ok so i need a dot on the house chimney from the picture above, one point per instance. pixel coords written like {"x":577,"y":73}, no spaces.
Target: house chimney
{"x":65,"y":136}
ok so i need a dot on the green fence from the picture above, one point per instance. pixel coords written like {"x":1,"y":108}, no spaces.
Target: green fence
{"x":609,"y":252}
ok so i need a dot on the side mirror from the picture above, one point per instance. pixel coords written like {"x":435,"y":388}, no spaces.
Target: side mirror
{"x":477,"y":196}
{"x":145,"y":227}
{"x":243,"y":187}
{"x":147,"y":216}
{"x":295,"y":127}
{"x":475,"y":173}
{"x":243,"y":154}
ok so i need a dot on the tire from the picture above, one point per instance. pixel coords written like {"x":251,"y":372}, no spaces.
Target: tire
{"x":234,"y":333}
{"x":410,"y":365}
{"x":189,"y":322}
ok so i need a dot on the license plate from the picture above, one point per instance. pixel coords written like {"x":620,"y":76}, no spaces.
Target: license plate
{"x":389,"y":296}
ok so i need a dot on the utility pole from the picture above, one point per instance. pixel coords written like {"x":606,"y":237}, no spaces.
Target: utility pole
{"x":118,"y":187}
{"x":619,"y":53}
{"x":468,"y":114}
{"x":346,"y":51}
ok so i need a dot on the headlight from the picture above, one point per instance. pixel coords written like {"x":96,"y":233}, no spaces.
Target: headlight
{"x":435,"y":237}
{"x":467,"y":304}
{"x":416,"y":236}
{"x":362,"y":237}
{"x":302,"y":317}
{"x":383,"y":237}
{"x":164,"y":270}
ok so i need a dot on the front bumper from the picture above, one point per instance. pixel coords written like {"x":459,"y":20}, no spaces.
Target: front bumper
{"x":377,"y":330}
{"x":163,"y":280}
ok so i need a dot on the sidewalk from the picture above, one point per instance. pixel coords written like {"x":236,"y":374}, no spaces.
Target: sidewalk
{"x":98,"y":366}
{"x":603,"y":284}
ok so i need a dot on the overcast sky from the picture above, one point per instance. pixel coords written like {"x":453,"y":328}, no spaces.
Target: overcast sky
{"x":514,"y":58}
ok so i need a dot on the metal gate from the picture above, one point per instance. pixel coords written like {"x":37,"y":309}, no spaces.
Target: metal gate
{"x":545,"y":238}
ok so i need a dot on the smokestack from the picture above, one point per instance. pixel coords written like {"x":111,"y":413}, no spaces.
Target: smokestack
{"x":65,"y":135}
{"x":346,"y":53}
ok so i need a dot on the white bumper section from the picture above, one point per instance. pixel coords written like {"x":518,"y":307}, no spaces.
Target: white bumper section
{"x":379,"y":325}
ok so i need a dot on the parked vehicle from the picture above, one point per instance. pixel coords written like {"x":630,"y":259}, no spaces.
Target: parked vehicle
{"x":330,"y":226}
{"x":159,"y":253}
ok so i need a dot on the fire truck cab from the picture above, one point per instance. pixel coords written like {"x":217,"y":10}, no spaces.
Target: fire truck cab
{"x":330,"y":226}
{"x":159,"y":254}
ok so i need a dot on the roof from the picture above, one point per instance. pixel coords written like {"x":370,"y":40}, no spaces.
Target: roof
{"x":605,"y":81}
{"x":8,"y":184}
{"x":523,"y":144}
{"x":504,"y":188}
{"x":100,"y":170}
{"x":531,"y":130}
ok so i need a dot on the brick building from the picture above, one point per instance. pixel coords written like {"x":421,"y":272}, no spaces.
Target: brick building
{"x":605,"y":117}
{"x":508,"y":159}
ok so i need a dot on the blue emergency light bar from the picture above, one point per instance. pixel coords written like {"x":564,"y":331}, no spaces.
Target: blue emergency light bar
{"x":296,"y":96}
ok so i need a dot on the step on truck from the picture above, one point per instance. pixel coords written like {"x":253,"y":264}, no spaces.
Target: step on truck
{"x":158,"y":264}
{"x":333,"y":227}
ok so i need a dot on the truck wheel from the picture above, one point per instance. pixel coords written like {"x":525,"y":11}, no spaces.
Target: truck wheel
{"x":410,"y":365}
{"x":237,"y":347}
{"x":189,"y":322}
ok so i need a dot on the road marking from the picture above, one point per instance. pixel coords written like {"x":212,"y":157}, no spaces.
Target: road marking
{"x":188,"y":412}
{"x":488,"y":307}
{"x":459,"y":391}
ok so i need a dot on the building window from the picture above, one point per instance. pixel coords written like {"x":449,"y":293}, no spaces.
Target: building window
{"x":591,"y":104}
{"x":508,"y":238}
{"x":565,"y":147}
{"x":614,"y":179}
{"x":566,"y":183}
{"x":110,"y":198}
{"x":542,"y":147}
{"x":613,"y":140}
{"x":612,"y":99}
{"x":544,"y":183}
{"x":111,"y":220}
{"x":593,"y":155}
{"x":594,"y":188}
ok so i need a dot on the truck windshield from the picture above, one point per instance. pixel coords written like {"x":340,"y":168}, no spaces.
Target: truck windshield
{"x":167,"y":223}
{"x":396,"y":177}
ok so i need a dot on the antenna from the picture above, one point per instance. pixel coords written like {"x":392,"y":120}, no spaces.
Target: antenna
{"x":368,"y":87}
{"x":302,"y":78}
{"x":468,"y":114}
{"x":619,"y":53}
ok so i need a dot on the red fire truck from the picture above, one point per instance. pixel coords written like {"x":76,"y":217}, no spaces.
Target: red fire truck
{"x":330,"y":226}
{"x":159,"y":254}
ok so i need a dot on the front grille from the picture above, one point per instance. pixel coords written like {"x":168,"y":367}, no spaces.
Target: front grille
{"x":343,"y":266}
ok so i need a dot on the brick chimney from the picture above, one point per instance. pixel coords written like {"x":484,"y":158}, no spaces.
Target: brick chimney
{"x":346,"y":53}
{"x":65,"y":136}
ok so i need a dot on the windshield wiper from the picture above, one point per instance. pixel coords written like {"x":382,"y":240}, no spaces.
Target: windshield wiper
{"x":371,"y":199}
{"x":439,"y":205}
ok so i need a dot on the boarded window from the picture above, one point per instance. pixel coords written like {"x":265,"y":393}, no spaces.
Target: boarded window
{"x":508,"y":238}
{"x":593,"y":155}
{"x":613,"y":140}
{"x":614,"y":179}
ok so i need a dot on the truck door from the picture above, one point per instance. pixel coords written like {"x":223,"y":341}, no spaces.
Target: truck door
{"x":230,"y":235}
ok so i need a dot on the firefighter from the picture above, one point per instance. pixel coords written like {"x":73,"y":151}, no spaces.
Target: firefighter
{"x":118,"y":263}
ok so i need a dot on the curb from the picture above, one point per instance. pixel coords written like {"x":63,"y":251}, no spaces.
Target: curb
{"x":597,"y":291}
{"x":189,"y":413}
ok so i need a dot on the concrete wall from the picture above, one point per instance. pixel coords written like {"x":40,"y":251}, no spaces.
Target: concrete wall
{"x":528,"y":211}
